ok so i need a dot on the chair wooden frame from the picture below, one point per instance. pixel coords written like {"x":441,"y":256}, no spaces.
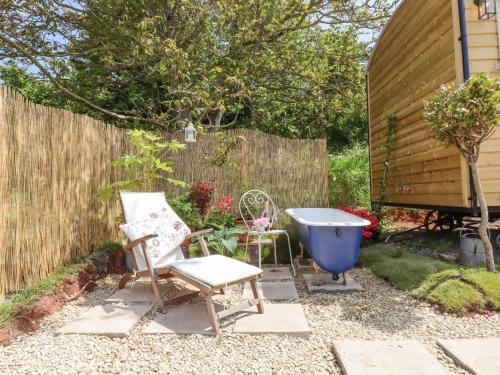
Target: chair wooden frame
{"x":206,"y":291}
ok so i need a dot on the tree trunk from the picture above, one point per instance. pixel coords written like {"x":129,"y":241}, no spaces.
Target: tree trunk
{"x":483,"y":227}
{"x":215,"y":118}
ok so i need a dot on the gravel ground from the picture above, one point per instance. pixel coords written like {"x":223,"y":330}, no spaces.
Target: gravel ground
{"x":380,"y":312}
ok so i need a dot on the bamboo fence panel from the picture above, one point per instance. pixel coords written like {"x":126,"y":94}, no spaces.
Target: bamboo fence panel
{"x":53,"y":162}
{"x":292,"y":171}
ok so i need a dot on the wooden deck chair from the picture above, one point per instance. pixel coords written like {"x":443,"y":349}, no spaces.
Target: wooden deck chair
{"x":155,"y":233}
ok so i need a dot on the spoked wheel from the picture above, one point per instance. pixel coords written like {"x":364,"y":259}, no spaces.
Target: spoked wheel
{"x":439,"y":220}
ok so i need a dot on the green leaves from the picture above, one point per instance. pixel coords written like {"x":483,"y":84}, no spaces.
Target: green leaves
{"x":465,"y":115}
{"x":146,"y":166}
{"x":225,"y":240}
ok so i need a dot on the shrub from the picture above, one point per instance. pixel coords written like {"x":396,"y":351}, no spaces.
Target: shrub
{"x":349,"y":178}
{"x":368,"y":231}
{"x":201,"y":195}
{"x":184,"y":208}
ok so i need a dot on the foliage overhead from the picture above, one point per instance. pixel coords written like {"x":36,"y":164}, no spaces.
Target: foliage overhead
{"x":465,"y":115}
{"x":290,"y":67}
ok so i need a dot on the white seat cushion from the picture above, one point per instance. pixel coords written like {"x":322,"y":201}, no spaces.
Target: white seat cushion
{"x":216,"y":270}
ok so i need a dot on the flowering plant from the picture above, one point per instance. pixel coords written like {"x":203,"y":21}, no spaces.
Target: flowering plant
{"x":369,"y":230}
{"x":225,"y":204}
{"x":261,"y":222}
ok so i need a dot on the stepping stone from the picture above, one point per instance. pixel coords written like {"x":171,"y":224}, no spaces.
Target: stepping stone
{"x":279,"y":318}
{"x":278,"y":273}
{"x":139,"y":292}
{"x":278,"y":290}
{"x":478,"y":356}
{"x":331,"y":286}
{"x":386,"y":358}
{"x":183,"y":319}
{"x":113,"y":320}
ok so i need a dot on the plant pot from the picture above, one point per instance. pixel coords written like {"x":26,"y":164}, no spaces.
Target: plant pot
{"x":254,"y":255}
{"x":187,"y":242}
{"x":117,"y":262}
{"x":243,"y":237}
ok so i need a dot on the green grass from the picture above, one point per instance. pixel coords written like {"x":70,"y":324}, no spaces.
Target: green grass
{"x":37,"y":289}
{"x":401,"y":268}
{"x":442,"y":245}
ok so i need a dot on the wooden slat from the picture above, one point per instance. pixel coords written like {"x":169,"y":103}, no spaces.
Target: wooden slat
{"x":407,"y":69}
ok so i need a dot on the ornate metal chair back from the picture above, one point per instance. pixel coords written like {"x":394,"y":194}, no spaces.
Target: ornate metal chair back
{"x":252,"y":206}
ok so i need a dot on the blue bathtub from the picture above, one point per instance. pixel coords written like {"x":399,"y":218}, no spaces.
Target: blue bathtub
{"x":331,"y":237}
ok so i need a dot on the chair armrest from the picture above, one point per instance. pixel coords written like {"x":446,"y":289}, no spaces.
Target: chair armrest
{"x":131,"y":245}
{"x":203,"y":244}
{"x":200,"y":233}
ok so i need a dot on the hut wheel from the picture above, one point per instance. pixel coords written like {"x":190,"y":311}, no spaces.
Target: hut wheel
{"x":439,"y":220}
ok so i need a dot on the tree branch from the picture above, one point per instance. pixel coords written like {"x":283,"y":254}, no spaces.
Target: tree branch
{"x":23,"y":51}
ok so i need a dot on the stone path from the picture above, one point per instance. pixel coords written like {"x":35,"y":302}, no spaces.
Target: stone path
{"x":273,"y":290}
{"x":278,"y":318}
{"x":182,"y":319}
{"x":479,"y":356}
{"x":386,"y":358}
{"x":113,"y":320}
{"x":330,"y":285}
{"x":275,"y":274}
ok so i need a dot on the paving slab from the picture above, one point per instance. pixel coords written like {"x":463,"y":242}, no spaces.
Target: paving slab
{"x":478,"y":356}
{"x":331,"y":286}
{"x":275,"y":290}
{"x":113,"y":320}
{"x":358,"y":357}
{"x":279,"y":318}
{"x":276,"y":273}
{"x":182,"y":320}
{"x":138,"y":292}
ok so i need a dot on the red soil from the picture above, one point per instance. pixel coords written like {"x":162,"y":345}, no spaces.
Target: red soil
{"x":28,"y":319}
{"x":403,"y":216}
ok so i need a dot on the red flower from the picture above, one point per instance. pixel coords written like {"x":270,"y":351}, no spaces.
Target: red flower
{"x":369,"y":230}
{"x":225,"y":204}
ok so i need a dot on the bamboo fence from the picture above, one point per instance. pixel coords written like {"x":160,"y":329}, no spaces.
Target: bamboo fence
{"x":292,"y":171}
{"x":53,"y":162}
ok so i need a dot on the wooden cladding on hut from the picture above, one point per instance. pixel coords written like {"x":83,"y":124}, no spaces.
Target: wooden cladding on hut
{"x":418,"y":51}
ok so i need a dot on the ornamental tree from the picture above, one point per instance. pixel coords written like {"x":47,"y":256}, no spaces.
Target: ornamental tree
{"x":465,"y":116}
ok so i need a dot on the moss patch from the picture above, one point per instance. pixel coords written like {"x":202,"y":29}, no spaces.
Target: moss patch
{"x":454,"y":289}
{"x":456,"y":296}
{"x":401,"y":268}
{"x":487,"y":282}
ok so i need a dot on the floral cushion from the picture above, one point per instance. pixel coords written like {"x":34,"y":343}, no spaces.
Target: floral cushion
{"x":164,"y":249}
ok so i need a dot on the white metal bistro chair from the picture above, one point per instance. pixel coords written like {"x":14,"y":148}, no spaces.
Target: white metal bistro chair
{"x":252,"y":206}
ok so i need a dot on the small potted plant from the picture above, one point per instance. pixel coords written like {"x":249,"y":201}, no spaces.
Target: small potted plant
{"x":261,"y":224}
